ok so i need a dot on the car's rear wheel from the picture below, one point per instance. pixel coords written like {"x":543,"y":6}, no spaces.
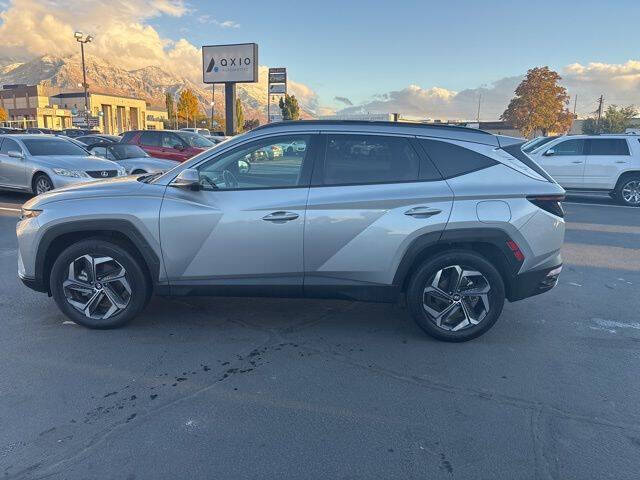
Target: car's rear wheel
{"x":456,"y":296}
{"x":628,"y":191}
{"x":99,"y":284}
{"x":41,"y":184}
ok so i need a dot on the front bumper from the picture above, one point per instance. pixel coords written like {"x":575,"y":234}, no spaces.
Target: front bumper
{"x":532,"y":283}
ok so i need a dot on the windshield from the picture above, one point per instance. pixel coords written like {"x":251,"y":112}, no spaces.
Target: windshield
{"x":203,"y":131}
{"x":124,"y":151}
{"x":195,"y":140}
{"x":40,"y":147}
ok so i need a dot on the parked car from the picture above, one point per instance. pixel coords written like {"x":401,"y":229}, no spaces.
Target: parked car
{"x":132,"y":158}
{"x":215,"y":139}
{"x":10,"y":130}
{"x":199,"y":131}
{"x":39,"y":163}
{"x":170,"y":144}
{"x":595,"y":163}
{"x":77,"y":132}
{"x":446,"y":217}
{"x":98,"y":138}
{"x":537,"y":142}
{"x":47,"y":131}
{"x":294,"y":148}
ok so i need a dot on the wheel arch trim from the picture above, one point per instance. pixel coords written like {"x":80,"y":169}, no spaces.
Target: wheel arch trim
{"x":123,"y":227}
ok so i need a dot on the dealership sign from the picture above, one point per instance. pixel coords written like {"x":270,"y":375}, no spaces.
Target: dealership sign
{"x":230,"y":63}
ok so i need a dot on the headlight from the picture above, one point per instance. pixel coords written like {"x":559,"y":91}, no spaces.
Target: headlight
{"x":26,"y":213}
{"x":70,"y":173}
{"x":122,"y":171}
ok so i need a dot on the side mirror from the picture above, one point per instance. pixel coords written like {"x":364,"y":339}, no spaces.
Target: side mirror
{"x":15,"y":154}
{"x":549,"y":152}
{"x":188,"y":179}
{"x":178,"y":146}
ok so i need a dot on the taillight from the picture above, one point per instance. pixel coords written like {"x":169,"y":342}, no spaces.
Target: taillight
{"x":549,"y":203}
{"x":515,"y":249}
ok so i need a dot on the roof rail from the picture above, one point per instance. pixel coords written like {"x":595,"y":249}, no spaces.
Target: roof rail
{"x":381,"y":123}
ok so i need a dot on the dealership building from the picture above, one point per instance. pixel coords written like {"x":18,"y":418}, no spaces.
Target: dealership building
{"x":29,"y":106}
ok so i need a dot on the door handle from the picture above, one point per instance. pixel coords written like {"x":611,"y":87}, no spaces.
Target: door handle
{"x":280,"y":217}
{"x":620,"y":161}
{"x":422,"y":212}
{"x":577,"y":161}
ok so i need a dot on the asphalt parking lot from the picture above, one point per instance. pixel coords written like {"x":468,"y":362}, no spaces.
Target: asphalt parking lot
{"x":221,"y":388}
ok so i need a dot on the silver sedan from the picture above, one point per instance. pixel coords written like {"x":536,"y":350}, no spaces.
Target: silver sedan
{"x":39,"y":163}
{"x":132,"y":158}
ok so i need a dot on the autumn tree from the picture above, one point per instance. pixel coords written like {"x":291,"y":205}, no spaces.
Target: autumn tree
{"x":289,"y":107}
{"x":4,"y":116}
{"x":239,"y":116}
{"x":615,"y":120}
{"x":188,"y":106}
{"x":540,"y":104}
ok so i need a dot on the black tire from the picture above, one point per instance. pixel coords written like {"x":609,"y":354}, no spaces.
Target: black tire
{"x":135,"y":277}
{"x":423,"y":277}
{"x":289,"y":150}
{"x":626,"y":181}
{"x":138,"y":172}
{"x":41,"y":184}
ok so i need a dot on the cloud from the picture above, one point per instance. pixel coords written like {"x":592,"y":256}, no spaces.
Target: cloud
{"x":31,"y":28}
{"x":344,"y":100}
{"x":619,"y":83}
{"x":208,"y":19}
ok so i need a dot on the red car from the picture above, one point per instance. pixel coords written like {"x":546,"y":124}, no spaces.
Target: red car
{"x":171,"y":144}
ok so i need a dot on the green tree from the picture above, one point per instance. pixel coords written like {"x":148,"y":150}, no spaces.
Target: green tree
{"x":251,"y":124}
{"x":188,"y":106}
{"x":168,"y":101}
{"x":615,"y":120}
{"x":289,"y":107}
{"x":540,"y":104}
{"x":239,"y":115}
{"x":4,"y":116}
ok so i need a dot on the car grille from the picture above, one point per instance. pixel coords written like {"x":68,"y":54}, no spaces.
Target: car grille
{"x":102,"y":173}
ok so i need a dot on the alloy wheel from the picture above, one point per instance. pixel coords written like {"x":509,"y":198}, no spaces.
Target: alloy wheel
{"x":97,"y":286}
{"x":43,"y":185}
{"x":631,"y":192}
{"x":456,"y":298}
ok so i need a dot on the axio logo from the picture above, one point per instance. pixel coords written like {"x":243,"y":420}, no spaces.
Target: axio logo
{"x":228,"y":62}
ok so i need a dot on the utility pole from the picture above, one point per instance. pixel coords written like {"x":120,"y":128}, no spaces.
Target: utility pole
{"x":600,"y":104}
{"x":82,"y":39}
{"x":479,"y":102}
{"x":575,"y":103}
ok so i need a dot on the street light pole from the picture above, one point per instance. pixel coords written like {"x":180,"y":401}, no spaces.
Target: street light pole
{"x":82,"y":39}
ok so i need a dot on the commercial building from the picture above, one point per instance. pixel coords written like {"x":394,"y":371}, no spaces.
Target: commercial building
{"x":111,"y":114}
{"x":156,"y":116}
{"x":29,"y":106}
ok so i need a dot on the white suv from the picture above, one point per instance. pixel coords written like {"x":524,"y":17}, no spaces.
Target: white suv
{"x":603,"y":163}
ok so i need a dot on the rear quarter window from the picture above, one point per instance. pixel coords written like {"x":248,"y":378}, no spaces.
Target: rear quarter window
{"x":453,"y":160}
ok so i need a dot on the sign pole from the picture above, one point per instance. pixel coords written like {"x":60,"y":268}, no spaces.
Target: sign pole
{"x":231,"y":118}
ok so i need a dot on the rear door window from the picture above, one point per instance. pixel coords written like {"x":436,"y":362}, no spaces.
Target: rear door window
{"x":361,"y":159}
{"x":608,"y":146}
{"x":453,"y":160}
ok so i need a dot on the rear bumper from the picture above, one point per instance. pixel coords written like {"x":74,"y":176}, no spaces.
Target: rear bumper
{"x":532,"y":283}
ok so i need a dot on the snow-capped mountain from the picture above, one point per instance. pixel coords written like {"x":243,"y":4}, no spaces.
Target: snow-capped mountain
{"x":150,"y":83}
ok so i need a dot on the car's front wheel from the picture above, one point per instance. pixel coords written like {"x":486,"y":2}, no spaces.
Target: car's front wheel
{"x":42,"y":184}
{"x":99,"y":284}
{"x":456,"y":296}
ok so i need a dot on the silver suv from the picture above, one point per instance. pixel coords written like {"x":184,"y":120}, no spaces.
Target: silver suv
{"x":454,"y":220}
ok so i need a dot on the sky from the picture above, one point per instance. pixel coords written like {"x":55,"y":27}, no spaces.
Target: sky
{"x":420,"y":58}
